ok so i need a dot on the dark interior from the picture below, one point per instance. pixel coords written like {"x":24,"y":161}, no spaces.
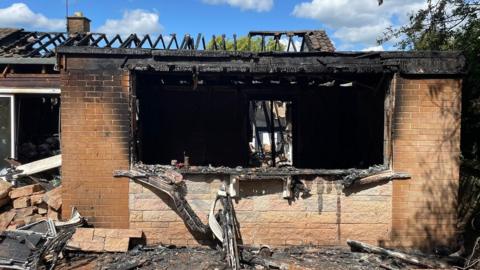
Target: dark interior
{"x":37,"y":125}
{"x":334,"y":127}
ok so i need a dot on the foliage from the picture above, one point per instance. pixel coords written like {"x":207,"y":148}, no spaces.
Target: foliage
{"x":242,"y":44}
{"x":454,"y":25}
{"x":450,"y":25}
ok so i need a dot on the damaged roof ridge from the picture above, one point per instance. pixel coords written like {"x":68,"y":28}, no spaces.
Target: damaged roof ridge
{"x":223,"y":53}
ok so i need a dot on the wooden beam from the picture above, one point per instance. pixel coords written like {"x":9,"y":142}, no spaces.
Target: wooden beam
{"x":415,"y":260}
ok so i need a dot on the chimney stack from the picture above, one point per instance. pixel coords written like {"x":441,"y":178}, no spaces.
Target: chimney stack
{"x":78,"y":23}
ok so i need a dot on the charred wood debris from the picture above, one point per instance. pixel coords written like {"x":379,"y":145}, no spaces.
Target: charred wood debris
{"x":31,"y":234}
{"x":34,"y":238}
{"x":222,"y":225}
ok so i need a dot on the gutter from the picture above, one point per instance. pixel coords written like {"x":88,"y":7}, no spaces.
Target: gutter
{"x":28,"y":61}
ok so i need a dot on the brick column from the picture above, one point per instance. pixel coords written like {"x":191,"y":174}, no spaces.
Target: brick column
{"x":426,"y":145}
{"x":95,"y":122}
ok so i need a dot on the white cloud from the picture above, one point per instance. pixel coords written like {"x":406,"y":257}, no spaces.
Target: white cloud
{"x":378,"y":48}
{"x":21,"y":16}
{"x":367,"y":34}
{"x":359,"y":21}
{"x":137,"y":21}
{"x":257,"y":5}
{"x":296,"y":42}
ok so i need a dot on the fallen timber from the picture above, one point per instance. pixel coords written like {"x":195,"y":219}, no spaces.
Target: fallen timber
{"x":169,"y":180}
{"x":171,"y":183}
{"x":411,"y":259}
{"x":349,"y":177}
{"x":222,"y":225}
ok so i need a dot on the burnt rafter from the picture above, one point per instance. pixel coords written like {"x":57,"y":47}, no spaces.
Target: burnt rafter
{"x":264,"y":52}
{"x":21,"y":43}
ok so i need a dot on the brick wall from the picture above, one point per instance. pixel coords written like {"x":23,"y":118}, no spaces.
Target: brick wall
{"x":95,"y":142}
{"x":31,"y":81}
{"x":417,"y":212}
{"x":328,"y":217}
{"x":427,"y":145}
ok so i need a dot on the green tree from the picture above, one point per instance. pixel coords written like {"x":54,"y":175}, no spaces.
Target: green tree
{"x":454,"y":25}
{"x":450,"y":25}
{"x":242,"y":44}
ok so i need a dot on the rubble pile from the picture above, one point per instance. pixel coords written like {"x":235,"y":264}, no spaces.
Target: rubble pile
{"x":103,"y":240}
{"x":27,"y":204}
{"x":173,"y":257}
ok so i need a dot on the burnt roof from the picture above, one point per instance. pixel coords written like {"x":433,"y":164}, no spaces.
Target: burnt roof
{"x":6,"y":32}
{"x":25,"y":44}
{"x":308,"y":51}
{"x":319,"y":41}
{"x":20,"y":44}
{"x":271,"y":63}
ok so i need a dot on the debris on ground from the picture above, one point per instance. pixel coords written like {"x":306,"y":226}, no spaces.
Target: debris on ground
{"x":222,"y":227}
{"x":421,"y":261}
{"x":172,"y":257}
{"x":103,"y":240}
{"x":36,"y":245}
{"x":28,"y":204}
{"x":43,"y":172}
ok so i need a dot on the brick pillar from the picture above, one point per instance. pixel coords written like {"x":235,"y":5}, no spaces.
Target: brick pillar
{"x":426,"y":145}
{"x":95,"y":142}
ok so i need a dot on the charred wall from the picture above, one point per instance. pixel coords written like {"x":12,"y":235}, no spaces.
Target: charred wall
{"x":334,"y":127}
{"x":340,"y":127}
{"x":96,"y":139}
{"x":205,"y":124}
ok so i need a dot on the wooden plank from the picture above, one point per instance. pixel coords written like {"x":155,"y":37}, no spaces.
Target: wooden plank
{"x":39,"y":166}
{"x":14,"y":90}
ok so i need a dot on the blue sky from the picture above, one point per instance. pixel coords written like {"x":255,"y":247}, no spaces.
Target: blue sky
{"x":352,"y":25}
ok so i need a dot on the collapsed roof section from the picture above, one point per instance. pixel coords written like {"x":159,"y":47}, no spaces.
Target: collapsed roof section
{"x":425,"y":63}
{"x":19,"y":43}
{"x":279,"y":52}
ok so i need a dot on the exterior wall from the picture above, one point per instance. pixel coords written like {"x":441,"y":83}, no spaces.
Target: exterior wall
{"x":31,"y":81}
{"x":328,"y":217}
{"x":95,"y":142}
{"x":419,"y":212}
{"x":426,"y":145}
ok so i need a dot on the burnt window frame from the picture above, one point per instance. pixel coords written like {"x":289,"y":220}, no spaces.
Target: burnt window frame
{"x":387,"y":83}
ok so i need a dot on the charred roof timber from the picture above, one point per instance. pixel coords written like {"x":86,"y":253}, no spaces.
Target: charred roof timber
{"x":307,"y":52}
{"x":20,"y":43}
{"x":273,"y":64}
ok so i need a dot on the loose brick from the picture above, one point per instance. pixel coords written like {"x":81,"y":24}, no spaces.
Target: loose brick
{"x":52,"y":214}
{"x":5,"y":219}
{"x":37,"y":198}
{"x":54,"y":198}
{"x":83,"y":235}
{"x":116,"y":244}
{"x":42,"y":208}
{"x":24,"y":212}
{"x":4,"y":201}
{"x":21,"y":202}
{"x":25,"y":191}
{"x":5,"y":188}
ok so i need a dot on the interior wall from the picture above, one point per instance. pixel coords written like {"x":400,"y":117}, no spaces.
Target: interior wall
{"x":339,"y":127}
{"x":333,"y":127}
{"x":205,"y":126}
